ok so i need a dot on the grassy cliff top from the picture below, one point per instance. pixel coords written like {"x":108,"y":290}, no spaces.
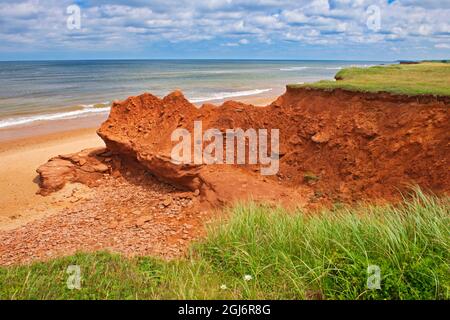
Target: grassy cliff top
{"x":431,"y":78}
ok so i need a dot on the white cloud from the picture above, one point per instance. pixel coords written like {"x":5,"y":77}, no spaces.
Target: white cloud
{"x":115,"y":24}
{"x":442,"y":46}
{"x":295,"y":16}
{"x":425,"y":30}
{"x":318,"y":7}
{"x":236,"y":44}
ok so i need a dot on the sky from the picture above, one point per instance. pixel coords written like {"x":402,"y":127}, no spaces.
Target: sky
{"x":381,"y":30}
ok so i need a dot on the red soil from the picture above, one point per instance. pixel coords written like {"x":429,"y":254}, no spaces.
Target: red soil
{"x":334,"y":145}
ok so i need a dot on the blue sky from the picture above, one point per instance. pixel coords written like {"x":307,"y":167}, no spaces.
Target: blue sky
{"x":246,"y":29}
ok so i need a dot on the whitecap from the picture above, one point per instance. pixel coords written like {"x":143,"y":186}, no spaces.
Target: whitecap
{"x":224,"y":95}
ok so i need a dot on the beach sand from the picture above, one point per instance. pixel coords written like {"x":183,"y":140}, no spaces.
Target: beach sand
{"x":19,"y":160}
{"x":24,"y":149}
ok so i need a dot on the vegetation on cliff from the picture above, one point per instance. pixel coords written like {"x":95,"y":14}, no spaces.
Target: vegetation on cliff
{"x":427,"y":78}
{"x":267,"y":253}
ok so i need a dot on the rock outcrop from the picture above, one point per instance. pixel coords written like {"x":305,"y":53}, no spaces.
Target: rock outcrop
{"x":86,"y":167}
{"x":141,"y":128}
{"x":334,"y":145}
{"x":359,"y":145}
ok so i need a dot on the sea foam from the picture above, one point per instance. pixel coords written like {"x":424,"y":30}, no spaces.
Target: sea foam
{"x":224,"y":95}
{"x":88,"y":109}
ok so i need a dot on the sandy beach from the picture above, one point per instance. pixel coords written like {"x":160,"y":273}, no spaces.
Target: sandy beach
{"x":19,"y":160}
{"x":24,"y":149}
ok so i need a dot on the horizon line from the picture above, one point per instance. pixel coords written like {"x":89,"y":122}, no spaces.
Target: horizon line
{"x":210,"y":59}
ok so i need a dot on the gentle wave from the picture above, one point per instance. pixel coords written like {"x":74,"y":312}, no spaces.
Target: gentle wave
{"x":361,"y":65}
{"x":303,"y":68}
{"x":328,"y":68}
{"x":224,"y":95}
{"x":54,"y":116}
{"x":294,"y":68}
{"x":99,"y":108}
{"x":96,"y":105}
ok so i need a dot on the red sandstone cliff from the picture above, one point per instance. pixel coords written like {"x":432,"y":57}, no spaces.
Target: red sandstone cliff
{"x":334,"y":145}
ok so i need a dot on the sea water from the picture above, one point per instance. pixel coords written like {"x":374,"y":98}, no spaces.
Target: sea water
{"x":33,"y":91}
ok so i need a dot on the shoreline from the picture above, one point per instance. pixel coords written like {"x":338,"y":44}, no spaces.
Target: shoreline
{"x":52,"y":128}
{"x":24,"y":148}
{"x":19,"y":160}
{"x":28,"y":132}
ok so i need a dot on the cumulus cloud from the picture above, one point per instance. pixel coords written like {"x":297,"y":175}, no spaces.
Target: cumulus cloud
{"x":442,"y":45}
{"x":39,"y":24}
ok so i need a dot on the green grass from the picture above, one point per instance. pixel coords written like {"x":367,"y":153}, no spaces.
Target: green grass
{"x":428,"y":78}
{"x":288,"y":256}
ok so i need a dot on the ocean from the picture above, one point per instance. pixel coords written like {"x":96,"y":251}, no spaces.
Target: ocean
{"x":37,"y":91}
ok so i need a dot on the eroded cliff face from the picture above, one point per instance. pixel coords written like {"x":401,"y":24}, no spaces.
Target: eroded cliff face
{"x":141,"y":128}
{"x":334,"y":145}
{"x":367,"y":146}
